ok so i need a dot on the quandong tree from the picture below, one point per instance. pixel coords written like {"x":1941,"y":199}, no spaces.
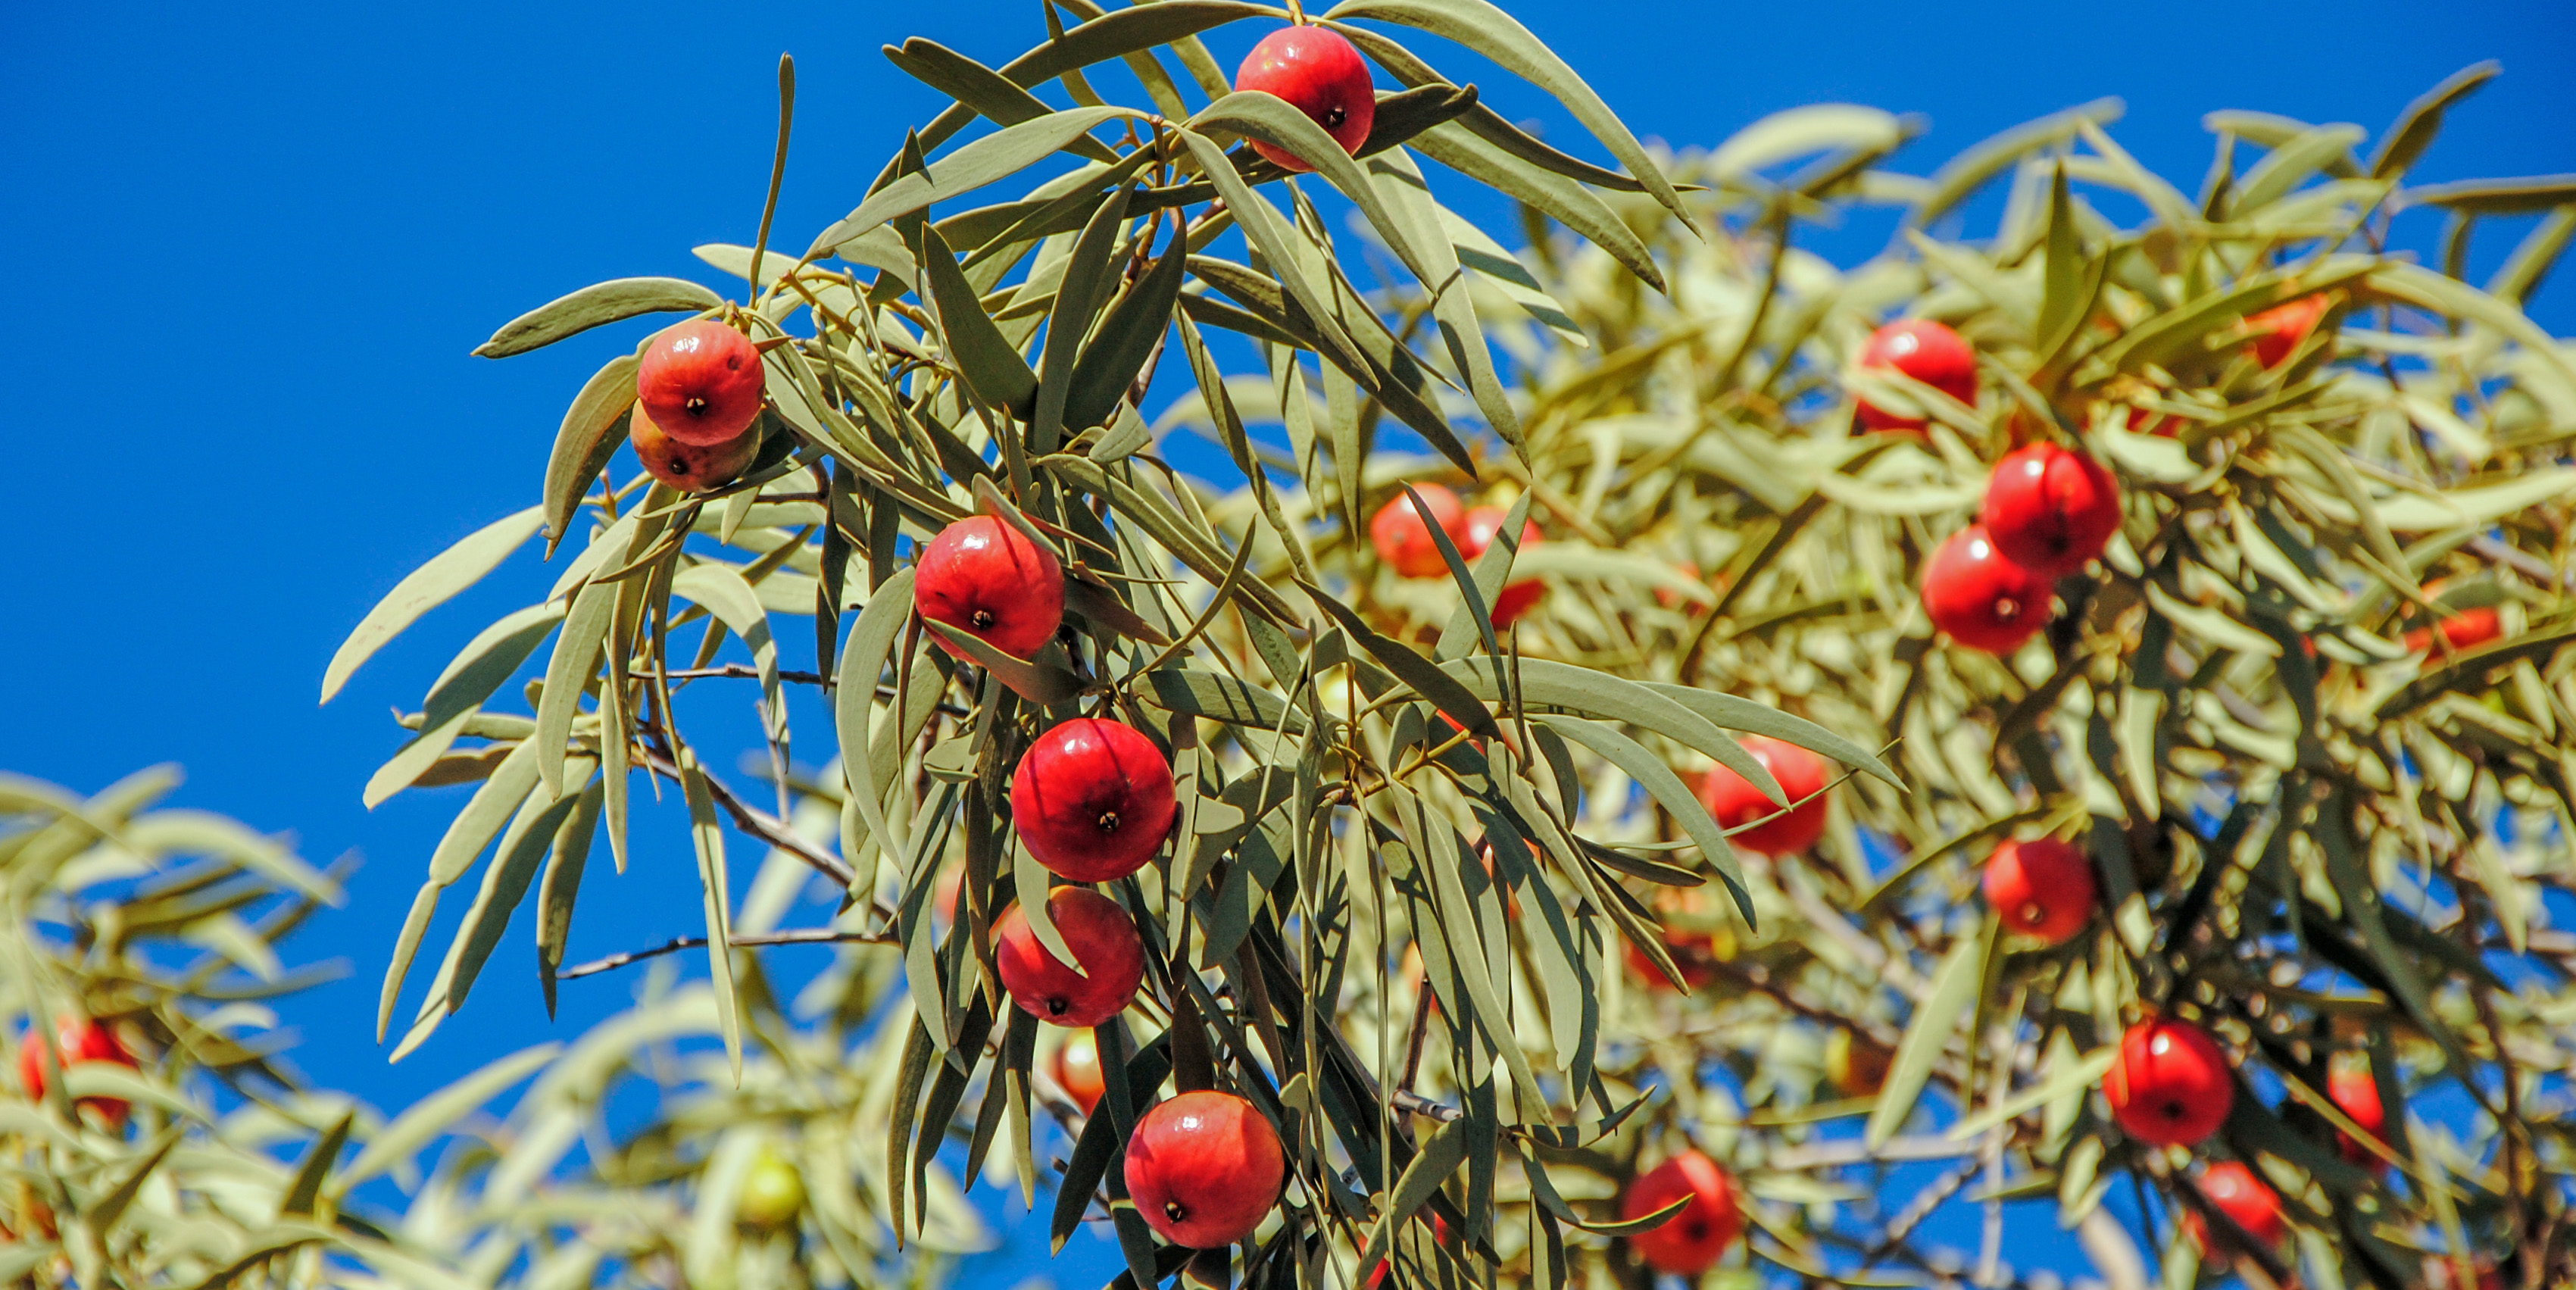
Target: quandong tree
{"x":1362,"y":842}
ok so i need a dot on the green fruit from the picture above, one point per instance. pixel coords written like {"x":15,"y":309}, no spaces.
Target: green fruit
{"x":772,"y":1194}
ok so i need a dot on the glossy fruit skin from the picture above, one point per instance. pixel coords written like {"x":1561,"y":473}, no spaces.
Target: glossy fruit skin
{"x":2049,"y":510}
{"x":1692,"y":1241}
{"x":1736,"y":802}
{"x":2278,"y":332}
{"x":2245,"y":1198}
{"x":2042,"y":888}
{"x":688,"y":467}
{"x":76,"y":1040}
{"x":988,"y":579}
{"x":1403,"y":538}
{"x":1320,"y":75}
{"x":2355,"y":1092}
{"x":1103,"y":940}
{"x":1204,"y":1169}
{"x":1929,"y":352}
{"x":773,"y":1193}
{"x":1855,"y":1066}
{"x":701,"y":382}
{"x":1093,"y":800}
{"x":1980,"y":597}
{"x":1480,"y":527}
{"x":2170,"y":1085}
{"x":1077,"y":1070}
{"x":2463,"y":630}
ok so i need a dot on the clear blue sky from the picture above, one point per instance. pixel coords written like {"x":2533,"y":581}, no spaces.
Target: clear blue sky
{"x":256,"y":241}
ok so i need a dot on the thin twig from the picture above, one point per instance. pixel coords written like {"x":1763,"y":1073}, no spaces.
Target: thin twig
{"x":803,"y":936}
{"x":760,"y":824}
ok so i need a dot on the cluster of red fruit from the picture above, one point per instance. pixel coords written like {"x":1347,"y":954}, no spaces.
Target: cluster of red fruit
{"x":77,"y":1040}
{"x":697,"y":406}
{"x":2170,"y":1085}
{"x":2048,"y":511}
{"x":1092,"y":800}
{"x":1401,"y":532}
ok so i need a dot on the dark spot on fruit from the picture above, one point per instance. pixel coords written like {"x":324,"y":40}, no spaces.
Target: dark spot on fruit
{"x":1695,"y":1230}
{"x":2007,"y":609}
{"x":981,"y":618}
{"x":1334,"y":116}
{"x":1056,"y":1006}
{"x":1108,"y":821}
{"x":2031,"y":913}
{"x":695,"y":406}
{"x":733,"y":362}
{"x":1176,"y":1211}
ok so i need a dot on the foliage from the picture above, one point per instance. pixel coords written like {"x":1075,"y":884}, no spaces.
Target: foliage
{"x":2308,"y":852}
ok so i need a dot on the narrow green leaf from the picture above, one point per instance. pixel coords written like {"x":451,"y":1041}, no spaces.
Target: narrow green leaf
{"x":433,"y":1116}
{"x":594,"y":306}
{"x":1954,"y":990}
{"x":594,"y":427}
{"x":426,"y":588}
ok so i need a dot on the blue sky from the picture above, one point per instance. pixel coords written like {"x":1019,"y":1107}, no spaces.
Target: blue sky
{"x":256,"y":241}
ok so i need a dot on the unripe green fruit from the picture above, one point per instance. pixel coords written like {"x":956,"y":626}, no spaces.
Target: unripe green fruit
{"x":773,"y":1193}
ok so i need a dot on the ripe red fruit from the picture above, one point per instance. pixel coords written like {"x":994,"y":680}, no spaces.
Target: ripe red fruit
{"x":1735,"y":802}
{"x":1978,"y":595}
{"x":1103,"y":940}
{"x":988,"y":579}
{"x":1319,"y":74}
{"x":2469,"y":627}
{"x":1692,"y":1241}
{"x":2041,"y":888}
{"x":2278,"y":332}
{"x":2355,"y":1092}
{"x":2049,"y":510}
{"x":701,"y":382}
{"x":1204,"y":1168}
{"x":1077,"y":1070}
{"x":1402,"y":534}
{"x":2243,"y":1196}
{"x":1927,"y":351}
{"x":1481,"y":526}
{"x":2170,"y":1086}
{"x":76,"y":1040}
{"x":1093,"y":800}
{"x":688,"y":467}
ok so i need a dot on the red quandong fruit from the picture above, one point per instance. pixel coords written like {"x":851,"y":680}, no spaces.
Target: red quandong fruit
{"x":2170,"y":1085}
{"x":1402,"y":534}
{"x":76,"y":1040}
{"x":2248,"y":1201}
{"x":701,"y":382}
{"x":1735,"y":802}
{"x":1103,"y":940}
{"x":988,"y":579}
{"x":1093,"y":800}
{"x":1692,"y":1241}
{"x":688,"y":467}
{"x":2467,"y":628}
{"x":1319,"y":74}
{"x":2355,"y":1092}
{"x":2049,"y":510}
{"x":1926,"y":351}
{"x":2277,"y":332}
{"x":2042,"y":888}
{"x":1204,"y":1168}
{"x":1077,"y":1070}
{"x":1480,"y":527}
{"x":1980,"y":597}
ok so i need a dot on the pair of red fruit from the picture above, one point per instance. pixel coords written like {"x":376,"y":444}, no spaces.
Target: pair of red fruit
{"x":697,"y":406}
{"x":77,"y":1040}
{"x":1401,"y":532}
